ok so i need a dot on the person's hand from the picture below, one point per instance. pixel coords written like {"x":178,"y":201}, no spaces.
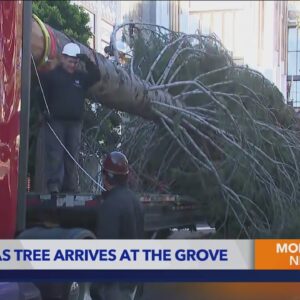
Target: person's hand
{"x":83,"y":57}
{"x":91,"y":68}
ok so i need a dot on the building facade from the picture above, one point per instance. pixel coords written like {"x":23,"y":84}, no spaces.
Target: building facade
{"x":293,"y":92}
{"x":255,"y":32}
{"x":104,"y":15}
{"x":260,"y":34}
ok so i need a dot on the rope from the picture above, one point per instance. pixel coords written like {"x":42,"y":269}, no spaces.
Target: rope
{"x":59,"y":140}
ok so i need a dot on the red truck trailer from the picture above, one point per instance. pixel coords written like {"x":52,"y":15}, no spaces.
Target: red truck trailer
{"x":14,"y":111}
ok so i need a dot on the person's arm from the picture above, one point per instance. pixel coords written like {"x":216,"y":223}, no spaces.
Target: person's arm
{"x":93,"y":73}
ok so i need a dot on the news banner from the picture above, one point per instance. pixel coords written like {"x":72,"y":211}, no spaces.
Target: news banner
{"x":151,"y":260}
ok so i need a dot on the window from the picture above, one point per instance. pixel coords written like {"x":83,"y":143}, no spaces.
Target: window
{"x":227,"y":25}
{"x":228,"y":33}
{"x":193,"y":23}
{"x":261,"y":12}
{"x":239,"y":34}
{"x":91,"y":25}
{"x":292,"y":63}
{"x":260,"y":32}
{"x":106,"y":30}
{"x":205,"y":23}
{"x":292,"y":43}
{"x":284,"y":21}
{"x":294,"y":67}
{"x":217,"y":24}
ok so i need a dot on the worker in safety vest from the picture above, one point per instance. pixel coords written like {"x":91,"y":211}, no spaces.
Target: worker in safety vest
{"x":65,"y":89}
{"x":120,"y":216}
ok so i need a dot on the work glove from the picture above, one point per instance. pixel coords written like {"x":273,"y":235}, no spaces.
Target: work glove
{"x":84,"y":58}
{"x":91,"y":68}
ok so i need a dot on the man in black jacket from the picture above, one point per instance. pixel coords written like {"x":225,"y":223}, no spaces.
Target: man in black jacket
{"x":65,"y":89}
{"x":120,"y":216}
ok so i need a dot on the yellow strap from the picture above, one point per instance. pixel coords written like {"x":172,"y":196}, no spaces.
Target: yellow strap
{"x":46,"y":37}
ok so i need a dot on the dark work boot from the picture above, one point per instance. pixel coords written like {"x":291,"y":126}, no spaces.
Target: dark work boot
{"x":54,"y":195}
{"x":54,"y":191}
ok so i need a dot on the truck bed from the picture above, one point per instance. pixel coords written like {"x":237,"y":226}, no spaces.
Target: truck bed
{"x":162,"y":212}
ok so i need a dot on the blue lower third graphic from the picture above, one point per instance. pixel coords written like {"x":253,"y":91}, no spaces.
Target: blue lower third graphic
{"x":152,"y":275}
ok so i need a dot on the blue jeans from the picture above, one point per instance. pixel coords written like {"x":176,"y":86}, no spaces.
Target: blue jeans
{"x":61,"y":171}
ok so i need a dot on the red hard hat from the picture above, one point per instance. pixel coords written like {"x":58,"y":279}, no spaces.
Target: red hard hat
{"x":116,"y":163}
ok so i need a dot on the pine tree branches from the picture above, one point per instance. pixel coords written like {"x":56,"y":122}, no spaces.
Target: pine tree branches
{"x":226,"y":123}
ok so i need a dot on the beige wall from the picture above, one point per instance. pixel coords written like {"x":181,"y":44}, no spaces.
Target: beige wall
{"x":106,"y":14}
{"x":254,"y":31}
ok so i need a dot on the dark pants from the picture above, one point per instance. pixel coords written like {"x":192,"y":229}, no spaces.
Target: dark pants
{"x":61,"y":170}
{"x":113,"y":291}
{"x":105,"y":291}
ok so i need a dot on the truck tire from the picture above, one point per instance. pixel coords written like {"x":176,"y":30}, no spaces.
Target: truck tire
{"x":57,"y":233}
{"x":61,"y":290}
{"x":64,"y":291}
{"x":77,"y":291}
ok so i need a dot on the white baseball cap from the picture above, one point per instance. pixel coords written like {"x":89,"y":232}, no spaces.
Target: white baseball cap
{"x":71,"y":49}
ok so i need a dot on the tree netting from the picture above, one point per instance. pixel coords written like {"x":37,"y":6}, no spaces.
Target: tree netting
{"x":227,"y":138}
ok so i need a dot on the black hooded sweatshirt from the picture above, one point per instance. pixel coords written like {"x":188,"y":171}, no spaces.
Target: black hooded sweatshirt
{"x":65,"y":92}
{"x":120,"y":215}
